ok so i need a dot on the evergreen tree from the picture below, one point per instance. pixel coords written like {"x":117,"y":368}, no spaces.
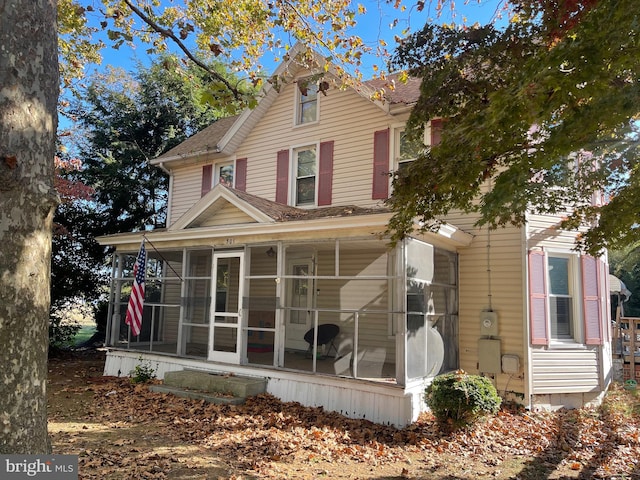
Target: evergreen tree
{"x":123,"y":122}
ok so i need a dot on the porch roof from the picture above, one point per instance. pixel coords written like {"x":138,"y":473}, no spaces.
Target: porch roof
{"x":272,"y":220}
{"x":262,"y":210}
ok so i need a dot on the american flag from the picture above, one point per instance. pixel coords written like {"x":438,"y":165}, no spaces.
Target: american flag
{"x":136,"y":301}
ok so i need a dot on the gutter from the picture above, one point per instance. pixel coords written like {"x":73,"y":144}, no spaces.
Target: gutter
{"x":369,"y":223}
{"x":161,"y":161}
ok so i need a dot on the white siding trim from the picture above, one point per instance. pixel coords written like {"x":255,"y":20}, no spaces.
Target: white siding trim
{"x":378,"y":402}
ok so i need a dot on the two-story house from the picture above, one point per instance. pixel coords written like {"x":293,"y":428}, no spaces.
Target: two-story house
{"x":273,"y":239}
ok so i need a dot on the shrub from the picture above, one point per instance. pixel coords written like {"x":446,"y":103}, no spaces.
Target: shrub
{"x":458,"y":399}
{"x":142,"y":373}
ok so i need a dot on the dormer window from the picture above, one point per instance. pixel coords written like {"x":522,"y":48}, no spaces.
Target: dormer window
{"x":307,"y":107}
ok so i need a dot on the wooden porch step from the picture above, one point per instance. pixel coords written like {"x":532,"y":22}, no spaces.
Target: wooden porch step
{"x":211,"y":387}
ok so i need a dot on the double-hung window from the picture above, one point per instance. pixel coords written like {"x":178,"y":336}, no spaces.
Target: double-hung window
{"x":212,"y":175}
{"x":307,"y":108}
{"x":406,"y":149}
{"x":224,"y":174}
{"x":305,"y":167}
{"x":561,"y":307}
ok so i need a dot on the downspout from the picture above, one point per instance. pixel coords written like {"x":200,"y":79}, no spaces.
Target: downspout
{"x":169,"y":193}
{"x":528,"y":371}
{"x":108,"y":336}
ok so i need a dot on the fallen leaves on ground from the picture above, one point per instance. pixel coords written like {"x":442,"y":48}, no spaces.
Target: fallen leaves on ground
{"x":265,"y":437}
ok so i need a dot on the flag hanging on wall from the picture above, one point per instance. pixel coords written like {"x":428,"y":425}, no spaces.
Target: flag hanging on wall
{"x":136,"y":301}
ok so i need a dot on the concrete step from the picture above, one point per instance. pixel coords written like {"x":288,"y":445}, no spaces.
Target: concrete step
{"x":207,"y":384}
{"x":196,"y":395}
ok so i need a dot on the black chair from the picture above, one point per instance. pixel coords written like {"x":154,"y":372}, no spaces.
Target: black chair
{"x":327,"y":333}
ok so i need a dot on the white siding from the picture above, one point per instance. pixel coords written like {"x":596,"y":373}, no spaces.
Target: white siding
{"x":377,"y":402}
{"x":563,"y":369}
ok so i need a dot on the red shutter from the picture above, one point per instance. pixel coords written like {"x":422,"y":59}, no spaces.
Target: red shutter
{"x":207,"y":175}
{"x":538,"y":321}
{"x":241,"y":174}
{"x":325,"y":174}
{"x":282,"y":176}
{"x":380,"y":190}
{"x":436,"y":131}
{"x":591,"y":301}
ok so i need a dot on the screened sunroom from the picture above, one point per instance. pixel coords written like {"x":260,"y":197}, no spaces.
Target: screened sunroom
{"x":349,"y":308}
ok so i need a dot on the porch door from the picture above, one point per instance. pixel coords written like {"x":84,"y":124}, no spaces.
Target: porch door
{"x":226,"y":307}
{"x":300,"y":299}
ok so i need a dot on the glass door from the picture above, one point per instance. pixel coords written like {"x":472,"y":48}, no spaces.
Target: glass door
{"x":226,"y":311}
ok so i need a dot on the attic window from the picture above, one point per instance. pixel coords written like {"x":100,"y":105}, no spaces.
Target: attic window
{"x":307,"y":103}
{"x":224,"y":174}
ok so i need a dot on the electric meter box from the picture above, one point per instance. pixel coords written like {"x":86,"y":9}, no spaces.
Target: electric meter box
{"x":488,"y":323}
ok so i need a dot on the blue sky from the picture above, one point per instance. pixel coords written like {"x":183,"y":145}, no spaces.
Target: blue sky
{"x":374,"y":25}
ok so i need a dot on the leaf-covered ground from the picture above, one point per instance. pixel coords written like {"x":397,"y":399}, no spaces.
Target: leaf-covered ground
{"x":124,"y":431}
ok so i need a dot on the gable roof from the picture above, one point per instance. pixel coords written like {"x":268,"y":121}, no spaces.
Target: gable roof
{"x":206,"y":140}
{"x":225,"y":135}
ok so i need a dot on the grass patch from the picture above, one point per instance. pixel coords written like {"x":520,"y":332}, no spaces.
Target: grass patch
{"x":84,"y":334}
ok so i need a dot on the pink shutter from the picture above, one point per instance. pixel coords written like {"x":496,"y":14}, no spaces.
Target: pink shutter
{"x":325,"y":174}
{"x":538,"y":321}
{"x":436,"y":131}
{"x":241,"y":174}
{"x":207,"y":175}
{"x":380,"y":190}
{"x":591,"y":301}
{"x":282,"y":176}
{"x":606,"y":303}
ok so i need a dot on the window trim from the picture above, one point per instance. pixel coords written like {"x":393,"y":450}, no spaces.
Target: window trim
{"x":297,"y":111}
{"x":293,"y":174}
{"x":216,"y":172}
{"x":575,"y":293}
{"x":398,"y":130}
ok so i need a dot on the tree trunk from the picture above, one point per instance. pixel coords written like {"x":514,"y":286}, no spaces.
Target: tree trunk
{"x":28,"y":121}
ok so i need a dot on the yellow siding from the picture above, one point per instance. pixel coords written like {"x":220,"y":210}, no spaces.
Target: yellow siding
{"x":228,"y":214}
{"x":353,"y":143}
{"x":353,"y":148}
{"x":187,"y":182}
{"x":502,"y":263}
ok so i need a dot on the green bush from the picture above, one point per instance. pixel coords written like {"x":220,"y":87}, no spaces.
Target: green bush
{"x":143,"y":372}
{"x":458,"y":399}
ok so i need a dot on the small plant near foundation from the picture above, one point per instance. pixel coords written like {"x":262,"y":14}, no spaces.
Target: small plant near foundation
{"x":458,"y":399}
{"x":143,"y":372}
